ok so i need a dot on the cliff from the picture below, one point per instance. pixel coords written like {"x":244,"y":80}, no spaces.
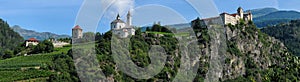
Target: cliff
{"x":250,"y":55}
{"x":226,"y":53}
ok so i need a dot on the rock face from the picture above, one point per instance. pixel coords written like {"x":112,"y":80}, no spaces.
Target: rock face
{"x":246,"y":48}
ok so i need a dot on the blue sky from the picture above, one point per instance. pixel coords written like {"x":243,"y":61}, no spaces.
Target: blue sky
{"x":59,"y":16}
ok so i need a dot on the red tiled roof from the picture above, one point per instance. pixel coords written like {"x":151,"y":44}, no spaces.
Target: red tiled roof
{"x":233,"y":15}
{"x":32,"y":39}
{"x":77,"y":27}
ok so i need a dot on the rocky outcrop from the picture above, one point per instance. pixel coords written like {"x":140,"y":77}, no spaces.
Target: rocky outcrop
{"x":246,"y":48}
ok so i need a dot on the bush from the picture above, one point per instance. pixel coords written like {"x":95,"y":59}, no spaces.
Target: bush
{"x":8,"y":54}
{"x":43,"y":47}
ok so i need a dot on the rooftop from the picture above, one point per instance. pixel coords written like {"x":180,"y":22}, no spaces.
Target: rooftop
{"x":32,"y":39}
{"x":118,"y":21}
{"x":77,"y":27}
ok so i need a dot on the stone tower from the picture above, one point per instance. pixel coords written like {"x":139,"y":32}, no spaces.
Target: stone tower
{"x":77,"y":32}
{"x":240,"y":12}
{"x":128,"y":19}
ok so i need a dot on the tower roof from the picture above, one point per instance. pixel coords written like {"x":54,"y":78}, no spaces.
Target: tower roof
{"x":240,"y":8}
{"x":77,"y":27}
{"x":118,"y":16}
{"x":128,"y":14}
{"x":118,"y":20}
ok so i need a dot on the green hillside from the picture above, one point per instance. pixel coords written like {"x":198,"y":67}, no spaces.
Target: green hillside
{"x":250,"y":55}
{"x":288,"y":33}
{"x":9,"y":40}
{"x":39,"y":67}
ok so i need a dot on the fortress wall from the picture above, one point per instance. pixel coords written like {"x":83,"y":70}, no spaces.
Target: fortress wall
{"x":229,"y":19}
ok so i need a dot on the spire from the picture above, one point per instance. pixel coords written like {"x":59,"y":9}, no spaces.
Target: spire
{"x":118,"y":17}
{"x":129,"y":14}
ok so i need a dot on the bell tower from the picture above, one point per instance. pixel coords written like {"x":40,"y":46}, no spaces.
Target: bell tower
{"x":240,"y":12}
{"x":128,"y":19}
{"x":77,"y":32}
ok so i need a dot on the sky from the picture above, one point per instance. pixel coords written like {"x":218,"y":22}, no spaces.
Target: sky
{"x":60,"y":16}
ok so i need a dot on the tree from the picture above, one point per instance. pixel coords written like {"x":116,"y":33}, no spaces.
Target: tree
{"x":98,"y":36}
{"x":43,"y":47}
{"x":148,"y":29}
{"x":89,"y":36}
{"x":9,"y":39}
{"x":138,"y":31}
{"x":49,"y":46}
{"x":8,"y":54}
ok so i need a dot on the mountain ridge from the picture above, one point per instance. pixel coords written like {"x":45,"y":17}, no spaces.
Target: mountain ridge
{"x":38,"y":35}
{"x":271,"y":16}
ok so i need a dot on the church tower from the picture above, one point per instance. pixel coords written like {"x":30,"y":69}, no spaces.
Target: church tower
{"x":240,"y":12}
{"x":128,"y":19}
{"x":118,"y":17}
{"x":77,"y":32}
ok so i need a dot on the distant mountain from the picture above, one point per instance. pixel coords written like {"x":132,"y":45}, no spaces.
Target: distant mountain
{"x":38,"y":35}
{"x":271,"y":16}
{"x":262,"y":11}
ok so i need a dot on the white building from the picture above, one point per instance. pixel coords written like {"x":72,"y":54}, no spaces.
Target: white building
{"x":226,"y":18}
{"x":236,"y":17}
{"x":122,"y":29}
{"x":59,"y":43}
{"x":31,"y":41}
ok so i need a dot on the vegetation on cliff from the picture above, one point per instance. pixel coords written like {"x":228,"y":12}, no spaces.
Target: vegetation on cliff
{"x":262,"y":58}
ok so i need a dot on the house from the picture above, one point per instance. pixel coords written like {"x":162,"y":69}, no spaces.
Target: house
{"x":31,"y":41}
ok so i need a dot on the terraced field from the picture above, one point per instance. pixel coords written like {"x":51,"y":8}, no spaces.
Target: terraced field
{"x":28,"y":67}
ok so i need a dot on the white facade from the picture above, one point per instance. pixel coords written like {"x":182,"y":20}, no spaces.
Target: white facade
{"x":118,"y":25}
{"x":31,"y":43}
{"x":226,"y":18}
{"x":60,"y":44}
{"x":122,"y":29}
{"x":236,"y":17}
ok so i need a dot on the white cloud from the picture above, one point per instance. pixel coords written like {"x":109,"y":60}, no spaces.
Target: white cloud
{"x":119,"y":7}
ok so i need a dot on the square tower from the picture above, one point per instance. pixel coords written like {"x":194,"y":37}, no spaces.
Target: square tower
{"x":77,"y":32}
